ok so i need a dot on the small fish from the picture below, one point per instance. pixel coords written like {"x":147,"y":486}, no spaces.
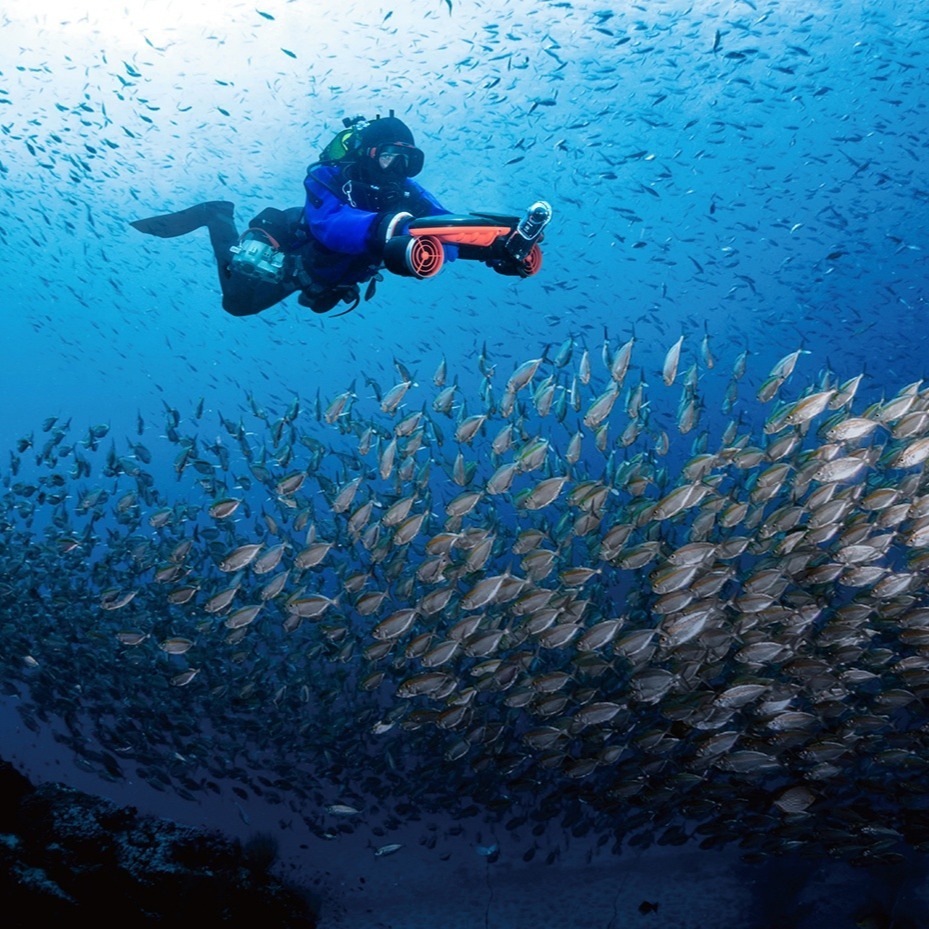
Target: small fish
{"x":620,"y":363}
{"x":338,"y":407}
{"x":240,"y":557}
{"x":469,"y":427}
{"x":177,"y":645}
{"x":310,"y":607}
{"x":523,"y":374}
{"x":224,"y":508}
{"x":394,"y":396}
{"x":583,"y":368}
{"x":443,"y":402}
{"x":383,"y":850}
{"x":341,"y":809}
{"x":291,"y":483}
{"x":784,"y":368}
{"x":115,"y":599}
{"x":243,"y":616}
{"x":601,"y":407}
{"x":705,"y":353}
{"x":219,"y":601}
{"x":669,"y":369}
{"x":441,"y":372}
{"x":270,"y":559}
{"x":394,"y":625}
{"x":312,"y":554}
{"x":345,"y":496}
{"x":542,"y":494}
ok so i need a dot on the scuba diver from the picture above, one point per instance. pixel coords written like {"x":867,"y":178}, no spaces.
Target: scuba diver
{"x":363,"y":212}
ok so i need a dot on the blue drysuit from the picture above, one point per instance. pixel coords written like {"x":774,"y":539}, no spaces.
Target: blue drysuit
{"x":340,"y":231}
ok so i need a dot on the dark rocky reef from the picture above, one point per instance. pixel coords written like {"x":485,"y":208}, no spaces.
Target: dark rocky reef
{"x":66,"y":854}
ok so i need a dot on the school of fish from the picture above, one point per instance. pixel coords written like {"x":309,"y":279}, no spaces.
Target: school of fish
{"x":521,"y":600}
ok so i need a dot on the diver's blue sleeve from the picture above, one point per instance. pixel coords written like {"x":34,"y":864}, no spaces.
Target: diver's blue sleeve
{"x":338,"y":225}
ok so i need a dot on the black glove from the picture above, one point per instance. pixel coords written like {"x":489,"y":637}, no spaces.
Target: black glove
{"x":385,"y":227}
{"x":509,"y":266}
{"x":321,"y":299}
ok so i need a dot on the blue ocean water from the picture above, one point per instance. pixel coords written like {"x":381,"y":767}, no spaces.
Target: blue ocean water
{"x":750,"y":176}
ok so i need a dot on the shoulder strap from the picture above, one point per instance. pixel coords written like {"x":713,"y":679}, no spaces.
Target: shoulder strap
{"x":322,"y":181}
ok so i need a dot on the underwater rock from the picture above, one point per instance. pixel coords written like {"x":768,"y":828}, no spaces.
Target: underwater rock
{"x":67,"y":854}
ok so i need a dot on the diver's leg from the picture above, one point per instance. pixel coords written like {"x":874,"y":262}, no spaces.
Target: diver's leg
{"x":242,"y":296}
{"x":245,"y":296}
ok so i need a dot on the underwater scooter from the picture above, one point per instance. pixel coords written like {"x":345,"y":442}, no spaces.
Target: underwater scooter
{"x":507,"y":244}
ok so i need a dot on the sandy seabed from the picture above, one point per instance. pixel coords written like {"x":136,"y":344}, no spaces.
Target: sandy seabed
{"x":693,"y":889}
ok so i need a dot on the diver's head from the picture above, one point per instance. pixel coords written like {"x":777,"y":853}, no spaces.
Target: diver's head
{"x":386,"y":151}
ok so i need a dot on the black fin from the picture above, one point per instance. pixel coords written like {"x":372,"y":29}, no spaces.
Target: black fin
{"x":175,"y":224}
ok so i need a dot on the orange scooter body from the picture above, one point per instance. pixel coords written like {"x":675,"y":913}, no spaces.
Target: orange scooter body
{"x":474,"y":230}
{"x":489,"y":237}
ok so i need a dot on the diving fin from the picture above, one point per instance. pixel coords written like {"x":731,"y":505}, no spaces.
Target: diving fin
{"x":170,"y":225}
